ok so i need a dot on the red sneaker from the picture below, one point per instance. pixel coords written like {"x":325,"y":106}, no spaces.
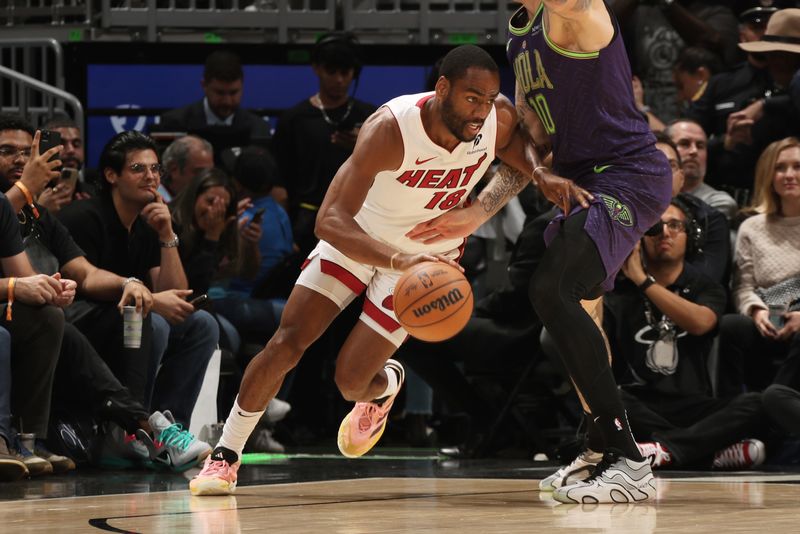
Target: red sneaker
{"x":743,"y":455}
{"x":656,"y":453}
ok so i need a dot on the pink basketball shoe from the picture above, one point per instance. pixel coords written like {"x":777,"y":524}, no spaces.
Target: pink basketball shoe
{"x":218,"y":477}
{"x":364,"y":425}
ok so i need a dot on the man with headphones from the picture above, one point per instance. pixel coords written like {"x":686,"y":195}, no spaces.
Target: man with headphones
{"x":317,"y":135}
{"x":710,"y":244}
{"x":661,"y":323}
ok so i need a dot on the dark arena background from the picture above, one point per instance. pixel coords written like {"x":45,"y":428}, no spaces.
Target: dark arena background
{"x":483,"y":417}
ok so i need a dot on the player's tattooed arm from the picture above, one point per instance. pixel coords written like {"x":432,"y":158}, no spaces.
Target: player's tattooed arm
{"x":506,"y":184}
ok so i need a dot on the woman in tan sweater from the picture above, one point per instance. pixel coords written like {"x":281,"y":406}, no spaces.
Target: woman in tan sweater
{"x":767,"y":253}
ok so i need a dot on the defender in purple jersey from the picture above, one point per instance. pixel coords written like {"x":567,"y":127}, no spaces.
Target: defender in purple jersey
{"x":574,"y":90}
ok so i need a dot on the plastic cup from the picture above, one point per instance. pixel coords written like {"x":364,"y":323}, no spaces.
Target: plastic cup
{"x":28,"y":440}
{"x":131,"y":327}
{"x":776,"y":312}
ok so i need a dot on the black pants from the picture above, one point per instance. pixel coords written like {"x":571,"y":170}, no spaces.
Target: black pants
{"x":84,"y":382}
{"x":36,"y":333}
{"x":572,"y":270}
{"x":693,"y":428}
{"x":782,"y":405}
{"x":101,"y":323}
{"x":750,"y":361}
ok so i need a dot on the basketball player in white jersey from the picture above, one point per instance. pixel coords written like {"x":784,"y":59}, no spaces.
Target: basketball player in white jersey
{"x":416,"y":157}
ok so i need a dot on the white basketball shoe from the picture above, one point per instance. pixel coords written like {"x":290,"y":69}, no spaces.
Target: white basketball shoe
{"x":615,"y":480}
{"x":580,"y":469}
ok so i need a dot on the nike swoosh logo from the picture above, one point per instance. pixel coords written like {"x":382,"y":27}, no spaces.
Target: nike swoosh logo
{"x":600,"y":168}
{"x":243,"y":415}
{"x":418,"y":162}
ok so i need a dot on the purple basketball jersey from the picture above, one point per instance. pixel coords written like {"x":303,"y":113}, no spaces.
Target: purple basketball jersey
{"x":600,"y":140}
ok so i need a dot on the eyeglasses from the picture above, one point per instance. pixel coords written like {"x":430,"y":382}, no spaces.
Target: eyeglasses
{"x":141,"y":168}
{"x":10,"y":151}
{"x":673,"y":225}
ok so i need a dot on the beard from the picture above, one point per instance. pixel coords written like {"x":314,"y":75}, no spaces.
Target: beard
{"x":454,"y":122}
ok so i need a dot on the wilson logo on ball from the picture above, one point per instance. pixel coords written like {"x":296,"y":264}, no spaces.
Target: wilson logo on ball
{"x":454,"y":296}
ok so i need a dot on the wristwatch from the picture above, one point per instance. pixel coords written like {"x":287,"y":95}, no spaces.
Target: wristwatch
{"x":649,"y":281}
{"x":172,"y":243}
{"x":131,"y":279}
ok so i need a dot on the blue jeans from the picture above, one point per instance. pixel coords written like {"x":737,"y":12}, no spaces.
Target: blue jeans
{"x":255,"y":319}
{"x":182,"y":351}
{"x":5,"y":384}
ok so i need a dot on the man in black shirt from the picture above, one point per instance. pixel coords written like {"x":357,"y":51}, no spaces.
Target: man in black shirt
{"x":127,"y":229}
{"x":35,"y":326}
{"x":82,"y":377}
{"x":219,"y":117}
{"x":661,"y":325}
{"x":316,"y":136}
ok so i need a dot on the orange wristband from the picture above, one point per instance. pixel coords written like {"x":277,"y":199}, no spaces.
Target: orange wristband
{"x":28,"y":197}
{"x":11,"y":283}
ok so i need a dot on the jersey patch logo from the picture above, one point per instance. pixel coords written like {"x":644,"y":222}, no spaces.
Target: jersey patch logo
{"x":420,"y":162}
{"x":477,"y":140}
{"x":617,"y":210}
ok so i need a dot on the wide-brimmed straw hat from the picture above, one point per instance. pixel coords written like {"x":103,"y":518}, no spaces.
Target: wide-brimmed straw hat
{"x":782,"y":34}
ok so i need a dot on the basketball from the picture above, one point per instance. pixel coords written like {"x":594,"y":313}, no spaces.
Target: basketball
{"x":433,"y":301}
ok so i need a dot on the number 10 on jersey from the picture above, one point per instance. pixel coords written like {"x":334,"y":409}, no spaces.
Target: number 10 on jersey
{"x":539,"y":103}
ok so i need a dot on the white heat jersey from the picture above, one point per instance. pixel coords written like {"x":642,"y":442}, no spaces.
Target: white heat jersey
{"x":429,"y":182}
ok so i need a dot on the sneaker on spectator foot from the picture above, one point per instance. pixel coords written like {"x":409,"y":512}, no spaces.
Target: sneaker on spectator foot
{"x":120,"y":450}
{"x":616,"y":479}
{"x":277,"y":410}
{"x":173,"y":446}
{"x":61,"y":464}
{"x":218,"y":476}
{"x":364,"y":425}
{"x":262,"y":440}
{"x":36,"y":466}
{"x":11,"y":467}
{"x":743,"y":455}
{"x":581,"y":468}
{"x":656,"y":453}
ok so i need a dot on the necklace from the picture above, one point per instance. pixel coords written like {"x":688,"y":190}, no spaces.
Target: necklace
{"x":325,"y":115}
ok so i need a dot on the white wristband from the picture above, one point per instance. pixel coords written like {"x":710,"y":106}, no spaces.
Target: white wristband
{"x":537,"y":168}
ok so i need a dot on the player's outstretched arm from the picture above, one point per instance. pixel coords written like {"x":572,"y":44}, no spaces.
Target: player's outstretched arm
{"x":509,"y":180}
{"x":523,"y":163}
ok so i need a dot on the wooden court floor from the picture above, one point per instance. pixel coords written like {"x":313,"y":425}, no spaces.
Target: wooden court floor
{"x":419,"y":505}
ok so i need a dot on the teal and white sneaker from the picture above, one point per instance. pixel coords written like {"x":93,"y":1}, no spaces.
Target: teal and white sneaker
{"x":173,"y":446}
